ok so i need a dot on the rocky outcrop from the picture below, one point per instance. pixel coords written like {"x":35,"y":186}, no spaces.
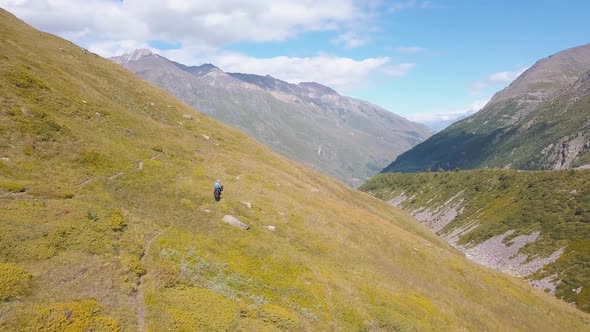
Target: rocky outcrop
{"x":436,"y":219}
{"x":563,"y":154}
{"x":133,"y":56}
{"x":504,"y":255}
{"x":496,"y":252}
{"x":398,"y":200}
{"x":235,"y":222}
{"x":439,"y":218}
{"x":548,"y":284}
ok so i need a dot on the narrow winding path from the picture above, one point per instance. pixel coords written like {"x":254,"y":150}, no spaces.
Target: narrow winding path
{"x":120,"y":173}
{"x":141,"y":322}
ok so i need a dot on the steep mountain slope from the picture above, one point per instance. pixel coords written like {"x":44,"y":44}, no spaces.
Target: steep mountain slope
{"x":344,"y":137}
{"x":540,"y":121}
{"x":107,"y":222}
{"x":534,"y":225}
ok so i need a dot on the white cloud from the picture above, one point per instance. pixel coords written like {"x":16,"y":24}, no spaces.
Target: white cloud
{"x":503,"y":77}
{"x":114,"y":48}
{"x":202,"y":28}
{"x":397,"y":6}
{"x":410,"y":49}
{"x":349,"y":40}
{"x":212,"y":23}
{"x":398,"y":70}
{"x":340,"y":73}
{"x":451,"y":116}
{"x":401,"y":5}
{"x":333,"y":71}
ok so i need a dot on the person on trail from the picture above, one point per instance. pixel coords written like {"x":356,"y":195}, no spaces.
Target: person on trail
{"x":218,"y":188}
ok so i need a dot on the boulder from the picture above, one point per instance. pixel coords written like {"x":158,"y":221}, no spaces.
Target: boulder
{"x":234,"y":222}
{"x":248,"y":204}
{"x":271,"y":228}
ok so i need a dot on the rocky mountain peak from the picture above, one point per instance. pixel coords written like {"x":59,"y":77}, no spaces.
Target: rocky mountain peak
{"x":133,"y":56}
{"x":201,"y":70}
{"x":547,"y":76}
{"x":317,"y":88}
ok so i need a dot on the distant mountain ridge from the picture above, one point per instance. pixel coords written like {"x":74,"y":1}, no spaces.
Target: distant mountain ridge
{"x":540,"y":121}
{"x":344,"y":137}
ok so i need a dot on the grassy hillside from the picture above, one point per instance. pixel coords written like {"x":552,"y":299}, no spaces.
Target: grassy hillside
{"x":107,"y":222}
{"x":554,"y":203}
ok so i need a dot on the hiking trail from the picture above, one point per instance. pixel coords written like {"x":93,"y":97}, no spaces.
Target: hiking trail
{"x":141,"y":323}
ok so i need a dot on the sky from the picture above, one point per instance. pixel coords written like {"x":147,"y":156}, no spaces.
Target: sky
{"x":427,"y":60}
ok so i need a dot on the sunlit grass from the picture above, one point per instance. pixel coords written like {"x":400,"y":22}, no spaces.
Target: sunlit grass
{"x":76,"y":128}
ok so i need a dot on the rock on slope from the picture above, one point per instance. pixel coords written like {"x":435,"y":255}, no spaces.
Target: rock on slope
{"x":344,"y":137}
{"x":533,"y":225}
{"x":540,"y":121}
{"x":107,"y":222}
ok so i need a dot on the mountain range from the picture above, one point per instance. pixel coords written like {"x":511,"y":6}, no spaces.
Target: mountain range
{"x":108,"y":223}
{"x":540,"y":121}
{"x":344,"y":137}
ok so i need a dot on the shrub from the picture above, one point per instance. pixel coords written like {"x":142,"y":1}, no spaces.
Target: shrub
{"x":95,"y":161}
{"x":278,"y":316}
{"x":72,"y":316}
{"x":137,"y":267}
{"x":12,"y":186}
{"x":14,"y":282}
{"x":118,"y":222}
{"x":91,"y":215}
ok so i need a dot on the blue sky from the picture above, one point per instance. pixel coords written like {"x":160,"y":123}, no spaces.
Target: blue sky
{"x":467,"y":41}
{"x":421,"y":59}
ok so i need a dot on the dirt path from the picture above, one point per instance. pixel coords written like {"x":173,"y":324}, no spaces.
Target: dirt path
{"x":13,"y":194}
{"x":118,"y":174}
{"x":141,"y":323}
{"x":85,"y":182}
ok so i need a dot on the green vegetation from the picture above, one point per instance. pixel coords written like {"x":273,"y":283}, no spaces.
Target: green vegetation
{"x":119,"y":230}
{"x":555,"y":203}
{"x":14,"y":282}
{"x":70,"y":316}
